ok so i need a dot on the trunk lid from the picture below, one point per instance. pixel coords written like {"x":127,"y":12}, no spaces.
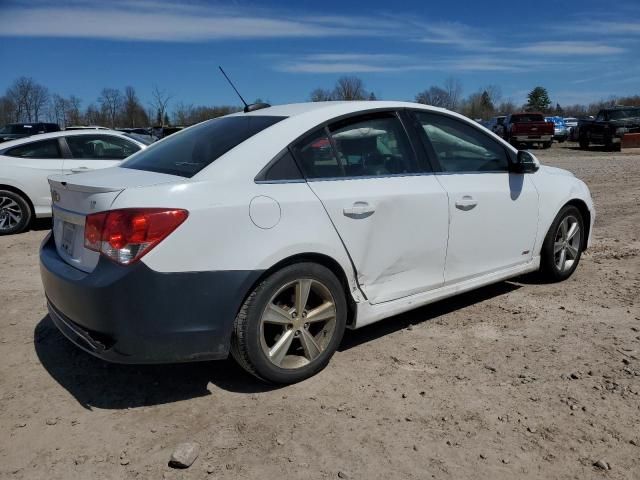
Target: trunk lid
{"x":76,"y":196}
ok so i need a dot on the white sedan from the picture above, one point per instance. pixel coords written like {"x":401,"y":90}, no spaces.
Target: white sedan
{"x":267,"y":233}
{"x":26,"y":163}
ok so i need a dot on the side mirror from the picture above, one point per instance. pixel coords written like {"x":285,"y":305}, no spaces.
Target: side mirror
{"x":526,"y":162}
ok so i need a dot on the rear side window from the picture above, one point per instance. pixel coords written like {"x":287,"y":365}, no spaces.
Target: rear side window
{"x":189,"y":151}
{"x":283,"y":169}
{"x":316,"y":158}
{"x":373,"y":145}
{"x":101,"y":147}
{"x":43,"y":149}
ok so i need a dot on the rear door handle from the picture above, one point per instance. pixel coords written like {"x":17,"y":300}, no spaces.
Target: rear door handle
{"x":358,"y":210}
{"x":466,"y":203}
{"x":80,"y":169}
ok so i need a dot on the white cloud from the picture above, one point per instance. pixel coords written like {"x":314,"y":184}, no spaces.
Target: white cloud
{"x":569,"y":48}
{"x":157,"y":21}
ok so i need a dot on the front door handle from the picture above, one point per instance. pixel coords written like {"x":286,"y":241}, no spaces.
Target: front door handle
{"x":80,"y":169}
{"x":359,"y":210}
{"x":466,"y":203}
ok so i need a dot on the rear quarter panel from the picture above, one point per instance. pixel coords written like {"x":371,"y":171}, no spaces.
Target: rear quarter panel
{"x":225,"y":232}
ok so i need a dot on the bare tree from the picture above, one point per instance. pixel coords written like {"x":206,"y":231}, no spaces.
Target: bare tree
{"x":73,"y":110}
{"x":160,"y":102}
{"x":321,"y":95}
{"x":111,"y":102}
{"x":38,"y":100}
{"x":58,"y":110}
{"x":183,"y":114}
{"x":350,"y":88}
{"x":453,"y":87}
{"x":435,"y":96}
{"x":7,"y":110}
{"x":19,"y":93}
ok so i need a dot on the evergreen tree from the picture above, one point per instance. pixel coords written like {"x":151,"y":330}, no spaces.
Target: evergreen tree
{"x":538,"y":100}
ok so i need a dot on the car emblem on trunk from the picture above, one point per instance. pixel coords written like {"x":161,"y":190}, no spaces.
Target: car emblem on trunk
{"x":92,"y":204}
{"x":55,"y":196}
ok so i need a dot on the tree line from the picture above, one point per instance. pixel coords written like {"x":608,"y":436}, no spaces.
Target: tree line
{"x":484,"y":103}
{"x":25,"y":100}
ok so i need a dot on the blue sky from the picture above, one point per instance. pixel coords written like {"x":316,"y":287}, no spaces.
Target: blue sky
{"x":582,"y":50}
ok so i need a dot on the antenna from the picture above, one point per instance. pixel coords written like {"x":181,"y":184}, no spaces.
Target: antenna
{"x":234,"y":87}
{"x":247,"y":107}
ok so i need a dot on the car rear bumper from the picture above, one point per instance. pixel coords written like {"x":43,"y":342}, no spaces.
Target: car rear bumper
{"x":532,"y":138}
{"x":132,"y":314}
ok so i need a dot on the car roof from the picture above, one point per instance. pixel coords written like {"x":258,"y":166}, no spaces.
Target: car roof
{"x":63,"y":133}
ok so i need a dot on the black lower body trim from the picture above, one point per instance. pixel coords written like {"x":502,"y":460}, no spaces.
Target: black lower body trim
{"x":132,"y":314}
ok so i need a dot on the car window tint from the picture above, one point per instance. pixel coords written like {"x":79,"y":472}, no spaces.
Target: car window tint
{"x":100,"y":147}
{"x":316,"y":158}
{"x":461,"y":147}
{"x":284,"y":168}
{"x":42,"y":149}
{"x":187,"y":152}
{"x":374,"y":145}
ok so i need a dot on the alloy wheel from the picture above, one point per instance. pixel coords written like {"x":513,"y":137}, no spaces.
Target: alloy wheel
{"x":566,"y":246}
{"x":10,"y":213}
{"x":298,"y":323}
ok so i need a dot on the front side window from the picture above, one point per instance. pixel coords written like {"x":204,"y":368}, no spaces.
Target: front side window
{"x":187,"y":152}
{"x":100,"y":147}
{"x":42,"y":149}
{"x":460,"y":147}
{"x":373,"y":145}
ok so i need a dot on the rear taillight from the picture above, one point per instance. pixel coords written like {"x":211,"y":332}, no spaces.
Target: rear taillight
{"x":126,"y":235}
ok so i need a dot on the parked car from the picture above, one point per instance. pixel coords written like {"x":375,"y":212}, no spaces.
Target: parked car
{"x":572,"y":126}
{"x":140,"y":133}
{"x":267,"y":233}
{"x":528,"y":128}
{"x":25,"y":165}
{"x":560,"y":131}
{"x":14,"y":131}
{"x":496,"y":125}
{"x":85,"y":127}
{"x":609,"y":126}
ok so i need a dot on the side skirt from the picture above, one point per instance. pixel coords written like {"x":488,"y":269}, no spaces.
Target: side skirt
{"x":368,"y":314}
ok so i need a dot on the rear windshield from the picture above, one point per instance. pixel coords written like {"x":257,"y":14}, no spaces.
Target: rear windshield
{"x":528,"y":117}
{"x":187,"y":152}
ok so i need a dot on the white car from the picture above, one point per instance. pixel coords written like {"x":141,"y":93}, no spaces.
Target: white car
{"x":26,"y":163}
{"x":267,"y":233}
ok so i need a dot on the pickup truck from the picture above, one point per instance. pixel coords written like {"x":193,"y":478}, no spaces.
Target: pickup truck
{"x":528,"y":128}
{"x":610,"y":127}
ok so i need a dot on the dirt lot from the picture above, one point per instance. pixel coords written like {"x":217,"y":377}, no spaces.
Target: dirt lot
{"x":517,"y":380}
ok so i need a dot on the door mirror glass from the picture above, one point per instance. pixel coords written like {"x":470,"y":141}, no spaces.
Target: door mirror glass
{"x":526,"y":162}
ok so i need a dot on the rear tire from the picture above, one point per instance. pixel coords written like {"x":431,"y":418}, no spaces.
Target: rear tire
{"x":584,"y":143}
{"x":277,"y":344}
{"x":15,"y":213}
{"x":546,"y":145}
{"x":563,"y":246}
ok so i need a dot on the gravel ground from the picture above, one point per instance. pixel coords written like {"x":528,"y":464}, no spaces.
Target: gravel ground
{"x":516,"y":380}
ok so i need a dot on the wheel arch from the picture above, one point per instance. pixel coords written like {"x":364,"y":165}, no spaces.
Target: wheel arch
{"x":321,"y":259}
{"x":16,"y":190}
{"x":586,"y":216}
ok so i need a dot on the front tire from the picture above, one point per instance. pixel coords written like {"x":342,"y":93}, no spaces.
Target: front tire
{"x":563,"y":245}
{"x":546,"y":145}
{"x":15,"y":214}
{"x":291,"y":324}
{"x":584,"y":143}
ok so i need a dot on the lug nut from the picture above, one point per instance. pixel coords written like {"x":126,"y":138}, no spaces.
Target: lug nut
{"x":306,"y":325}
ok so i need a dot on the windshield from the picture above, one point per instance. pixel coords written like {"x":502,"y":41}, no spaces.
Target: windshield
{"x":18,"y":129}
{"x":187,"y":152}
{"x":626,"y":113}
